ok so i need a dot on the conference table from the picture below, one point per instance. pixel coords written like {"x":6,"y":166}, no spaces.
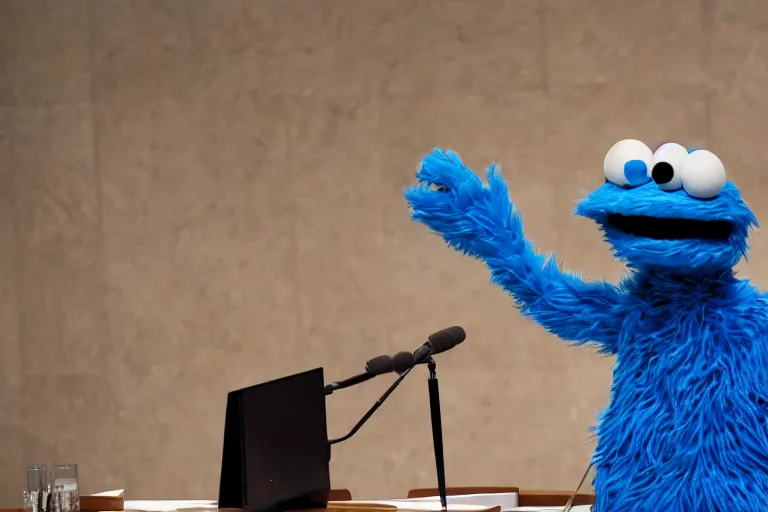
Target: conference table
{"x":341,"y":500}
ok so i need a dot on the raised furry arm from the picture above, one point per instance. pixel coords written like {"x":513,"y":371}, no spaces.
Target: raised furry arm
{"x":480,"y":220}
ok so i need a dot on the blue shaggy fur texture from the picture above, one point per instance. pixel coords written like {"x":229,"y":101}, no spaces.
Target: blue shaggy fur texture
{"x":686,"y":429}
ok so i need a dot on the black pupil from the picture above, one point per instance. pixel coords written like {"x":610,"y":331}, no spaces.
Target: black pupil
{"x":662,"y":173}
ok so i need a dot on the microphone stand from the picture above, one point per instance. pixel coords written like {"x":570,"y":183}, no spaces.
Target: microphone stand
{"x":437,"y":430}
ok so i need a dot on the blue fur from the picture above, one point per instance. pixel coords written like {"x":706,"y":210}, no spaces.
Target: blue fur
{"x":649,"y":200}
{"x":686,"y":429}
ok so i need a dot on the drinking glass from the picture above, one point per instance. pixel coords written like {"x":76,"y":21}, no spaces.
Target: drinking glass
{"x":38,"y":488}
{"x":66,"y":492}
{"x":26,"y":501}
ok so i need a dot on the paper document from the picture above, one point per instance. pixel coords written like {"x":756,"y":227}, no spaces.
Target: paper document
{"x":419,"y":505}
{"x":169,"y":505}
{"x":118,"y":493}
{"x":505,"y":500}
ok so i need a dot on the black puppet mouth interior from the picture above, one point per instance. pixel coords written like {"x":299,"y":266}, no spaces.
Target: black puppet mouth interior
{"x":670,"y":229}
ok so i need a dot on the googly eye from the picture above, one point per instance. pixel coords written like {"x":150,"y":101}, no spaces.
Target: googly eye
{"x":703,"y":174}
{"x":628,"y":163}
{"x":667,"y":165}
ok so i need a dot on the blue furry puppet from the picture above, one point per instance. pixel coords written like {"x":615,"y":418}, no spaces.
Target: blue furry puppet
{"x":687,"y":425}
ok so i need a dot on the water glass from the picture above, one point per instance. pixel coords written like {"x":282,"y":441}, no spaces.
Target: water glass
{"x":66,"y":492}
{"x":38,"y":488}
{"x":26,"y":501}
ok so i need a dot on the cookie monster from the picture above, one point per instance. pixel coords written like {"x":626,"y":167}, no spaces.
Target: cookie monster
{"x":686,"y":427}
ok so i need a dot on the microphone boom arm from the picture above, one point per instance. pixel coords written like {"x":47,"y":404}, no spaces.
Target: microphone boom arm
{"x":373,"y":409}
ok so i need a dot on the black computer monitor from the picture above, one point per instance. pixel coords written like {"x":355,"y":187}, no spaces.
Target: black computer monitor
{"x":276,"y":453}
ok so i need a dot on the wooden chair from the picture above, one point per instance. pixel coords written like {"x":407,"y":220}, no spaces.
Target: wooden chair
{"x":340,"y":495}
{"x":526,"y":498}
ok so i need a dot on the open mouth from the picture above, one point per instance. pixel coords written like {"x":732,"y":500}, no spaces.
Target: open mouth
{"x":670,"y":229}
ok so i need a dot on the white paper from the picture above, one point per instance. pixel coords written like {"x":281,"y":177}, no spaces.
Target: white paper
{"x":418,"y":505}
{"x":168,"y":505}
{"x":575,"y":508}
{"x":112,"y":494}
{"x":505,"y":500}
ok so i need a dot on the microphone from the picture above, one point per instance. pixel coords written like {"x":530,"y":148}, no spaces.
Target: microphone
{"x":373,"y":368}
{"x":436,"y":343}
{"x":439,"y":342}
{"x":403,"y":361}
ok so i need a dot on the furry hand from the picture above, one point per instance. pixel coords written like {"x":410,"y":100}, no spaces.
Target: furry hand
{"x":455,"y":203}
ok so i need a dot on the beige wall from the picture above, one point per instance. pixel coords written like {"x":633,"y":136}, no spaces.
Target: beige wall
{"x":197,"y":195}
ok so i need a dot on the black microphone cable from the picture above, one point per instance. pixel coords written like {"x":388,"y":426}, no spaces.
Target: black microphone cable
{"x":403,"y":364}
